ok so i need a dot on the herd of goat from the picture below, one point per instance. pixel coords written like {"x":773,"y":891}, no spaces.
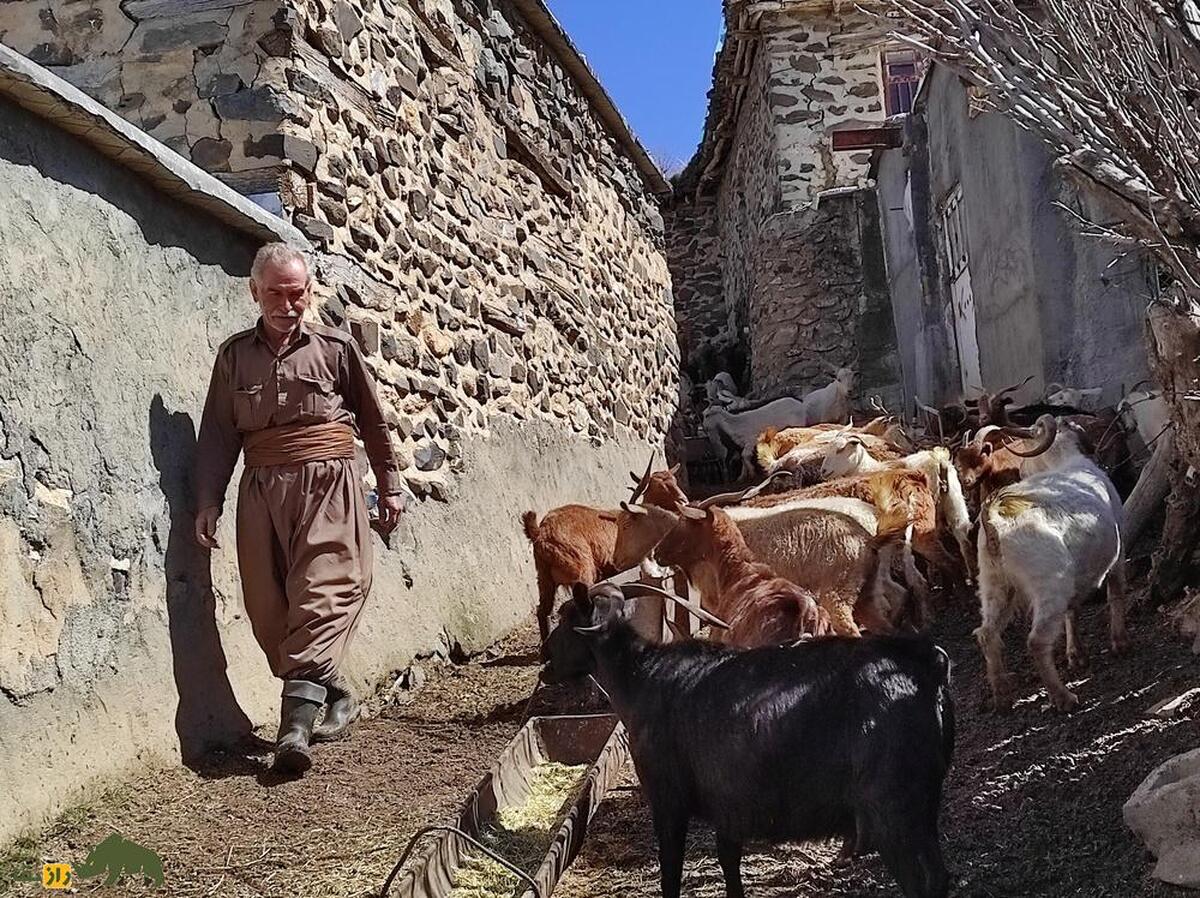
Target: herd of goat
{"x":768,"y":731}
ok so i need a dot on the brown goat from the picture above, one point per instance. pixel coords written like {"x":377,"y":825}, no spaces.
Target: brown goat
{"x":762,"y":609}
{"x":577,"y":543}
{"x":897,"y":493}
{"x":831,"y":551}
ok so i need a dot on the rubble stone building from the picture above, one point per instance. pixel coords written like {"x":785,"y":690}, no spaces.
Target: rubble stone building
{"x":489,"y":230}
{"x":490,"y":223}
{"x":773,"y":236}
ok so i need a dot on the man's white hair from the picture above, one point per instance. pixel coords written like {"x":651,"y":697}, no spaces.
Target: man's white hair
{"x":276,"y":254}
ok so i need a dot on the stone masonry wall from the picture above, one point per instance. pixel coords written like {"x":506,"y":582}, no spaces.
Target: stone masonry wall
{"x":749,"y":193}
{"x":825,"y":75}
{"x":816,"y":305}
{"x":203,"y":77}
{"x":509,"y":256}
{"x":694,"y":257}
{"x":481,"y":232}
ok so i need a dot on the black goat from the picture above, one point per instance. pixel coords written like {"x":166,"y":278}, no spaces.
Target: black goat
{"x":829,"y":737}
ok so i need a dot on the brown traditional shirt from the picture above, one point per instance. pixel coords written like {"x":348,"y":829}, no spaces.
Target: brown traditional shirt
{"x":319,"y":378}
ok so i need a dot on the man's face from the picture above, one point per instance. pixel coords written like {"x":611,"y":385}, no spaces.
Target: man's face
{"x":282,"y":291}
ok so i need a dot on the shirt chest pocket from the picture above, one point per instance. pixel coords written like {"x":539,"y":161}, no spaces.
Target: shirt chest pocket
{"x":249,"y":409}
{"x":313,"y":397}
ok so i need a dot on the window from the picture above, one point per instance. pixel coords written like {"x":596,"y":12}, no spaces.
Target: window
{"x":901,"y":76}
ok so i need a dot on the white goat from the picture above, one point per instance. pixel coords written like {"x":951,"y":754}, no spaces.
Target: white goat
{"x":1057,"y":394}
{"x":1046,"y":543}
{"x":831,"y":403}
{"x":1145,"y":413}
{"x":740,"y":430}
{"x":722,"y":390}
{"x":846,"y":456}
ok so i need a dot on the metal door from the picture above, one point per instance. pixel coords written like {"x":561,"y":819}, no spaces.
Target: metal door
{"x":962,"y":300}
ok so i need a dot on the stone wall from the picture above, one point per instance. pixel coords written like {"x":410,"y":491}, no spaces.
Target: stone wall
{"x":203,"y":78}
{"x":825,"y":75}
{"x":512,"y":257}
{"x":705,"y":330}
{"x":485,"y":235}
{"x":121,"y":642}
{"x":749,"y":193}
{"x":817,"y":304}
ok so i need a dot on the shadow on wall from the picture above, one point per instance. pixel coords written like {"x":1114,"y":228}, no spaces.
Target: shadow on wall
{"x":26,"y":139}
{"x":208,"y":714}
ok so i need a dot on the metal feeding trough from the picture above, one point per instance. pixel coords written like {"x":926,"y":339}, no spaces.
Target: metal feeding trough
{"x":598,"y":741}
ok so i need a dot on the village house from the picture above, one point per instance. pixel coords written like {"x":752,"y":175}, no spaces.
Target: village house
{"x":836,"y":177}
{"x":992,"y":275}
{"x":773,"y":235}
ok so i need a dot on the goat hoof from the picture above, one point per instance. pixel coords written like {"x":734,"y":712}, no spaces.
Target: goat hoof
{"x":1064,"y":701}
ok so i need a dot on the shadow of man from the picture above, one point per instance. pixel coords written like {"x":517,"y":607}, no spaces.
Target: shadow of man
{"x":208,"y":714}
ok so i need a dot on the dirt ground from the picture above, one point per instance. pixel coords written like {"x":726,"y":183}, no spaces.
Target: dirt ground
{"x":1033,"y":802}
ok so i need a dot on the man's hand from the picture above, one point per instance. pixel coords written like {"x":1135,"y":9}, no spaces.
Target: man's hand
{"x":206,"y":527}
{"x":390,"y":509}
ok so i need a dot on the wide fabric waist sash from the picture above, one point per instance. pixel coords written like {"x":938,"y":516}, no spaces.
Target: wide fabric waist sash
{"x":297,"y":444}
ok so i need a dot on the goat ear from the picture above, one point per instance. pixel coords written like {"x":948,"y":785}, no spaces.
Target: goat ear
{"x":985,"y":450}
{"x":580,"y":593}
{"x":606,"y":516}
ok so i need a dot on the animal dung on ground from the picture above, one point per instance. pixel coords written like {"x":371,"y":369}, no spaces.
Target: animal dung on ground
{"x":520,"y":833}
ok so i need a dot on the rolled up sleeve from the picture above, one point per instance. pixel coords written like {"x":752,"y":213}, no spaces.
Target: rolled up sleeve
{"x":219,"y":443}
{"x":362,"y":399}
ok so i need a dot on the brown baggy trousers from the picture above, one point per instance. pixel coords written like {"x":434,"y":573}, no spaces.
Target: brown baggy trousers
{"x":304,"y":551}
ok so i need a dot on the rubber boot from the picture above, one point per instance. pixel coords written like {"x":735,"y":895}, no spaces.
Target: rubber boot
{"x":302,"y":701}
{"x":341,"y":711}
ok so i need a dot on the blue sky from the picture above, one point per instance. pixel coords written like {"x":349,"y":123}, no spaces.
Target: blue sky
{"x":655,"y":59}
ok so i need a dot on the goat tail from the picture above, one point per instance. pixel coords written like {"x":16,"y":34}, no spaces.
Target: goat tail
{"x":529,"y":521}
{"x":766,"y":451}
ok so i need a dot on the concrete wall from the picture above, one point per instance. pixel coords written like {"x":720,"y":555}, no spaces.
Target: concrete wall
{"x":1049,"y":302}
{"x":120,"y":641}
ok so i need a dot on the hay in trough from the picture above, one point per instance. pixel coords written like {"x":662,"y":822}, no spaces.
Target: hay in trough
{"x":520,"y":834}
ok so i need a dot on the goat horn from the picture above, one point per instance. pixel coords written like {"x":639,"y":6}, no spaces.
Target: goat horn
{"x":633,"y":509}
{"x":983,"y":433}
{"x":1013,"y":388}
{"x":644,"y":482}
{"x":735,"y":498}
{"x":633,"y":590}
{"x":595,"y":628}
{"x":1044,"y":431}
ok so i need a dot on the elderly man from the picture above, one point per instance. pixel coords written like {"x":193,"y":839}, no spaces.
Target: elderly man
{"x":291,"y":395}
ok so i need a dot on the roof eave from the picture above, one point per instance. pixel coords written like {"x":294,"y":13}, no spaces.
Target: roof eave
{"x":538,"y":15}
